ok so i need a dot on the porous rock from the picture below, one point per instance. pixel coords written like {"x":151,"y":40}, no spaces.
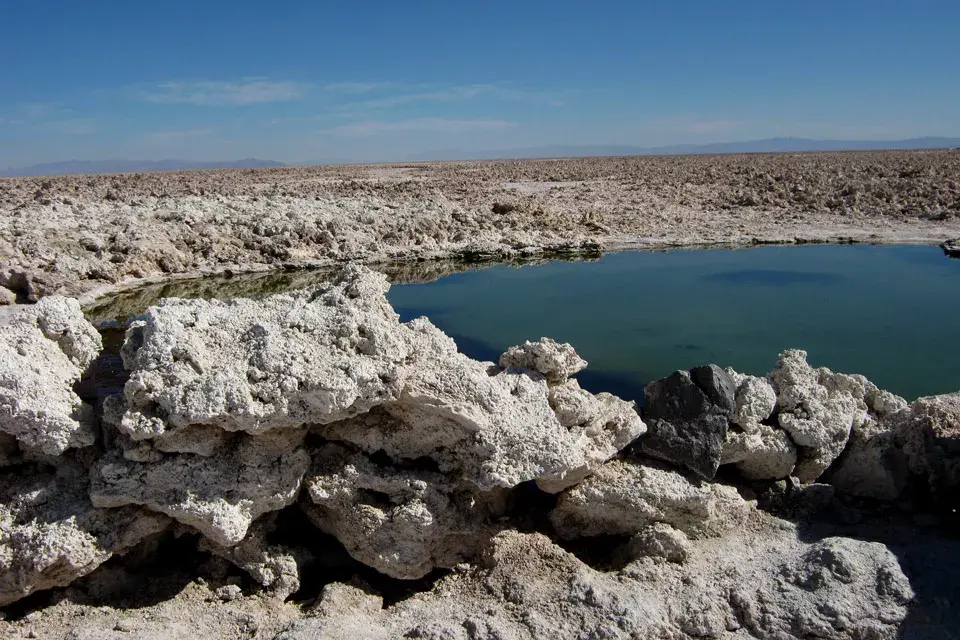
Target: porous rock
{"x":659,"y":540}
{"x":767,"y":453}
{"x":494,"y":431}
{"x":760,"y":452}
{"x":313,"y":356}
{"x":601,"y":425}
{"x":873,"y":403}
{"x":50,"y":533}
{"x":201,"y":439}
{"x":686,"y":425}
{"x":335,"y":355}
{"x":625,"y":497}
{"x":818,"y":417}
{"x":500,"y":428}
{"x":872,"y":465}
{"x":61,"y":320}
{"x":43,"y":353}
{"x":273,"y":566}
{"x":929,"y":434}
{"x":404,"y":523}
{"x":556,"y":361}
{"x":527,"y":588}
{"x":755,"y":401}
{"x":838,"y":588}
{"x":220,"y":495}
{"x":491,"y":427}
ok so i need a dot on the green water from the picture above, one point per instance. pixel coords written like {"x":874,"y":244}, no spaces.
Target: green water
{"x":891,"y":313}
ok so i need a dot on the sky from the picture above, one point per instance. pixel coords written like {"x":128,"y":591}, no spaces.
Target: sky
{"x":309,"y":81}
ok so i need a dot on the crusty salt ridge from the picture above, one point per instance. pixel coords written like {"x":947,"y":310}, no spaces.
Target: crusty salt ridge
{"x":819,"y":409}
{"x":499,"y":428}
{"x":817,"y":418}
{"x":556,"y":361}
{"x":50,"y":534}
{"x":403,"y":523}
{"x":624,"y":497}
{"x":929,"y":435}
{"x":43,"y":352}
{"x":318,"y":355}
{"x":274,"y":567}
{"x":220,"y":495}
{"x":203,"y":402}
{"x":328,"y":353}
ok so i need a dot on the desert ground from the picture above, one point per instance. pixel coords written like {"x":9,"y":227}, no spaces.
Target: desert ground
{"x":304,"y":465}
{"x":82,"y":234}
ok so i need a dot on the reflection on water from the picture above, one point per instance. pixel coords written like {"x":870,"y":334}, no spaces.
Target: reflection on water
{"x":121,"y":307}
{"x":125,"y":305}
{"x":888,"y":312}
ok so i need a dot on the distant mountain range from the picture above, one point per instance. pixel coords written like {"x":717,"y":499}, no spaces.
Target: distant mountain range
{"x":68,"y":167}
{"x":768,"y":145}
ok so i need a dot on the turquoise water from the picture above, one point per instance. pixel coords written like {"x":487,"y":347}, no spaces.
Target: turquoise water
{"x":891,"y":313}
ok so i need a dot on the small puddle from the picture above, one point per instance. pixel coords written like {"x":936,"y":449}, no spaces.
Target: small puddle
{"x":889,"y":312}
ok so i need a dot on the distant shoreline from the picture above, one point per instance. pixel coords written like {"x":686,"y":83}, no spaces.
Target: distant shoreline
{"x":550,"y":152}
{"x":80,"y":234}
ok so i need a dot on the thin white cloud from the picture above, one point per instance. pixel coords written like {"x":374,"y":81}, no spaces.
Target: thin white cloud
{"x":37,"y":113}
{"x":217,"y":92}
{"x":357,"y":87}
{"x":177,"y":135}
{"x":469,"y":92}
{"x":442,"y":125}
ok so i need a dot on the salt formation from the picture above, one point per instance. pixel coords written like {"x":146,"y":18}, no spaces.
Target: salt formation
{"x":414,"y":456}
{"x":43,"y":353}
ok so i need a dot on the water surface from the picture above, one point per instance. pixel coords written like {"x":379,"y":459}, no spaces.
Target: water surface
{"x":891,"y":313}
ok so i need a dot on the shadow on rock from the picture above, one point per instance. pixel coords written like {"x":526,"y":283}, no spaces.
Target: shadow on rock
{"x":326,"y":561}
{"x":928,"y":555}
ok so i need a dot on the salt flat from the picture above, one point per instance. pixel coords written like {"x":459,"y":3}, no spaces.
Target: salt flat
{"x":76,"y":234}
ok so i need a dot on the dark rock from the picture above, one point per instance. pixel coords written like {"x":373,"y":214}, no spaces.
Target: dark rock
{"x":717,"y":384}
{"x":951,"y":247}
{"x":685,"y":427}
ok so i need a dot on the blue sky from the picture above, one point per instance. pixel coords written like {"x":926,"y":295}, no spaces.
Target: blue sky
{"x":313,"y":81}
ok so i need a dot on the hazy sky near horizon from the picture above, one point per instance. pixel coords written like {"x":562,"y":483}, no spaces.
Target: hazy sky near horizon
{"x":316,"y":81}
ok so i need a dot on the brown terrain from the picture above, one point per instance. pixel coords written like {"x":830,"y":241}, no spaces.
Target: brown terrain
{"x":78,"y":234}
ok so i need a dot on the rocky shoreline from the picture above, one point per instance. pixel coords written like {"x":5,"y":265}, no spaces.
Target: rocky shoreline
{"x":76,"y":235}
{"x":306,"y":466}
